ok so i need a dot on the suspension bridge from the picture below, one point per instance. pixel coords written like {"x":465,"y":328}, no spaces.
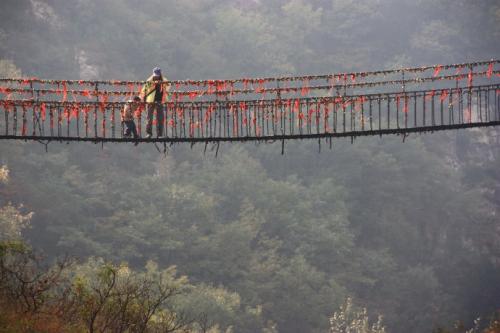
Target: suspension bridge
{"x":396,"y":101}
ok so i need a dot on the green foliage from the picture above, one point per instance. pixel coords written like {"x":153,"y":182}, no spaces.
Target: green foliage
{"x":9,"y":69}
{"x":119,"y":299}
{"x":12,"y":222}
{"x":351,"y":320}
{"x":99,"y":296}
{"x":12,"y":219}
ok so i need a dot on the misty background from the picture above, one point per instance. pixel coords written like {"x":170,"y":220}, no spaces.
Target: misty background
{"x":408,"y":230}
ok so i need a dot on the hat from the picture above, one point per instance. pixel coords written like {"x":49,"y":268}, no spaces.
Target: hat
{"x":157,"y":71}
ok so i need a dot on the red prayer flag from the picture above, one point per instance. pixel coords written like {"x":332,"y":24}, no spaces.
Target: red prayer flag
{"x":208,"y":113}
{"x":243,"y":106}
{"x":444,"y":95}
{"x":102,"y":104}
{"x":437,"y":70}
{"x":193,"y":95}
{"x":65,"y":92}
{"x":210,"y":89}
{"x":326,"y":111}
{"x":305,"y":89}
{"x":86,"y":93}
{"x":130,"y":89}
{"x":74,"y":111}
{"x":309,"y":114}
{"x":489,"y":73}
{"x":221,"y":86}
{"x":43,"y":111}
{"x":430,"y":95}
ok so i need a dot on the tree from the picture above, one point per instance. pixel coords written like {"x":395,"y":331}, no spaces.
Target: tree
{"x":9,"y":69}
{"x":349,"y":319}
{"x":110,"y":297}
{"x":32,"y":294}
{"x":12,"y":220}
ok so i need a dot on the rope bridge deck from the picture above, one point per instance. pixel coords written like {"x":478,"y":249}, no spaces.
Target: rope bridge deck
{"x":398,"y":101}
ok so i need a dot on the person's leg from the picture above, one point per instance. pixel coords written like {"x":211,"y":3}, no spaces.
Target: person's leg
{"x":126,"y":133}
{"x":149,"y":125}
{"x":159,"y":119}
{"x":133,"y":129}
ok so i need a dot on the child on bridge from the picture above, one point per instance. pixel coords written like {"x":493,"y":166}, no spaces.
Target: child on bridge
{"x":128,"y":117}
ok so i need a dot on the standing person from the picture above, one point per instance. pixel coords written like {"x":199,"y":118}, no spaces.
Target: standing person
{"x":128,"y":117}
{"x":152,"y":93}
